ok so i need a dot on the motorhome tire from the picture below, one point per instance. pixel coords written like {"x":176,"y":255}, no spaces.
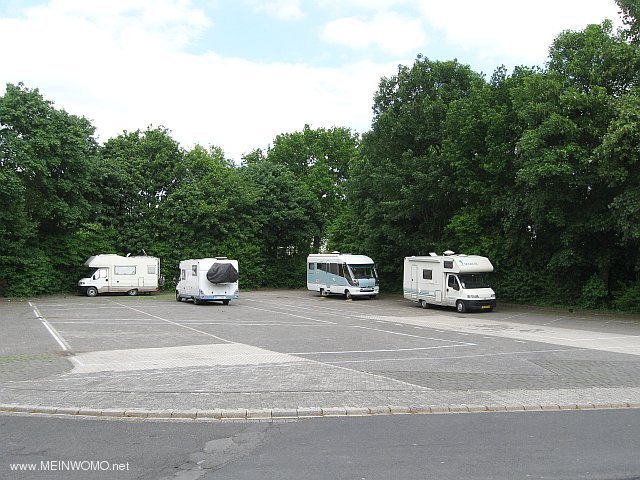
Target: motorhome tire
{"x":196,"y":301}
{"x":347,"y":294}
{"x":424,"y":304}
{"x":92,"y":292}
{"x":178,"y":299}
{"x":225,"y":302}
{"x":133,"y":292}
{"x":460,"y":306}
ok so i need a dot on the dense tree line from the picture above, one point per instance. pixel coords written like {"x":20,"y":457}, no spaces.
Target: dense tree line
{"x":537,"y":169}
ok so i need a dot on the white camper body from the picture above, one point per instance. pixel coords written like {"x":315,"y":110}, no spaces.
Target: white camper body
{"x":118,"y":274}
{"x":458,"y":281}
{"x":342,"y":274}
{"x":194,"y":284}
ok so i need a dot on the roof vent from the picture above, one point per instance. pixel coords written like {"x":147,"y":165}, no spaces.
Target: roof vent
{"x":433,"y":254}
{"x":449,"y":252}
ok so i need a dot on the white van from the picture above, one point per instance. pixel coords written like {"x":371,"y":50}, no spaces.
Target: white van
{"x":207,"y":280}
{"x":459,"y":281}
{"x":117,"y":274}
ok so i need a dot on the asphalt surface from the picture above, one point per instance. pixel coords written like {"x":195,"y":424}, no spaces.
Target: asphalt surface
{"x":292,"y":354}
{"x":584,"y":445}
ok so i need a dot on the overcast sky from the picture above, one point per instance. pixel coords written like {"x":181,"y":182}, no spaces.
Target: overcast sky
{"x":236,"y":73}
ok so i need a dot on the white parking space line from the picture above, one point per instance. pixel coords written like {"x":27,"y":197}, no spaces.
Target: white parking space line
{"x":56,"y":336}
{"x":104,"y":322}
{"x":290,"y":314}
{"x":314,"y":309}
{"x":260,"y":324}
{"x":456,"y":357}
{"x":74,"y":308}
{"x":177,"y":324}
{"x":390,"y":350}
{"x":414,"y":336}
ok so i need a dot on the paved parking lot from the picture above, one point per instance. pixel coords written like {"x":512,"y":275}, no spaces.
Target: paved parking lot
{"x":293,"y":351}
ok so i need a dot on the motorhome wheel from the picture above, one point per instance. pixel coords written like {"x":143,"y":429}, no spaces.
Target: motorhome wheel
{"x":460,"y":306}
{"x":92,"y":292}
{"x":132,"y":293}
{"x":424,"y":304}
{"x":347,"y":294}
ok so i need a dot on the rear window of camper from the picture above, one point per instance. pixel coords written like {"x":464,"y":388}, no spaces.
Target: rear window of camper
{"x":427,"y":274}
{"x":151,"y":269}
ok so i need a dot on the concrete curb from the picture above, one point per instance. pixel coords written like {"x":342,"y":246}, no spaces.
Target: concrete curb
{"x":267,"y":414}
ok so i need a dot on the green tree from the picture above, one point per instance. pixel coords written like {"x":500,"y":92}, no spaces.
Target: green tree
{"x":403,"y":187}
{"x":46,"y":172}
{"x":137,"y":171}
{"x":286,"y":215}
{"x":210,"y":213}
{"x":320,"y":159}
{"x":630,"y":12}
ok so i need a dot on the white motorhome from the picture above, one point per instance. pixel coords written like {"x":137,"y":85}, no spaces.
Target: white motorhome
{"x":342,"y":274}
{"x":458,"y":281}
{"x":118,"y":274}
{"x":207,"y":280}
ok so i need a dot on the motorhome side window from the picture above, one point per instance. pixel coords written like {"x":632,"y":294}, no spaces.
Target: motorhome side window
{"x":322,"y":267}
{"x":453,"y":283}
{"x":333,"y":268}
{"x":125,"y":270}
{"x":312,"y":266}
{"x":427,"y":274}
{"x":448,"y":264}
{"x":194,"y":270}
{"x":184,"y":274}
{"x":151,"y":269}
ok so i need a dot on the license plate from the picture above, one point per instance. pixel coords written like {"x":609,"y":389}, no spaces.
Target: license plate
{"x":486,"y":306}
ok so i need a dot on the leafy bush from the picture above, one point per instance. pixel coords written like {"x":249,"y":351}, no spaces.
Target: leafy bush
{"x":628,"y":298}
{"x":594,"y":293}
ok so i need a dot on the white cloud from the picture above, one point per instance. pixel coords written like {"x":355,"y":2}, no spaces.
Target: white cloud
{"x":390,"y":32}
{"x":281,"y":9}
{"x":509,"y":31}
{"x":114,"y":66}
{"x":361,"y":5}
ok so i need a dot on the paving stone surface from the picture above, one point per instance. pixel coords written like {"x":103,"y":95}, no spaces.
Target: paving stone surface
{"x":289,"y":354}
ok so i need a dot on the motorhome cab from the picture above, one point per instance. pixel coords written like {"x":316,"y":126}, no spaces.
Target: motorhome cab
{"x":342,"y":274}
{"x":117,"y":274}
{"x":458,"y":281}
{"x":208,"y":280}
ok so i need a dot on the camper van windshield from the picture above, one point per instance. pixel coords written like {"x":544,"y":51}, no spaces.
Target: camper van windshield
{"x":474,"y":280}
{"x":364,"y":271}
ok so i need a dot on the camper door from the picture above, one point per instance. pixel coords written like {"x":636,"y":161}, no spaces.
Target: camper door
{"x":100,"y":279}
{"x":414,"y":282}
{"x":452,"y":289}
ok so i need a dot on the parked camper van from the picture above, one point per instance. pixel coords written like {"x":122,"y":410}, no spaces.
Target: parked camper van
{"x":455,"y":280}
{"x":343,"y":274}
{"x":117,"y":274}
{"x":208,"y":279}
